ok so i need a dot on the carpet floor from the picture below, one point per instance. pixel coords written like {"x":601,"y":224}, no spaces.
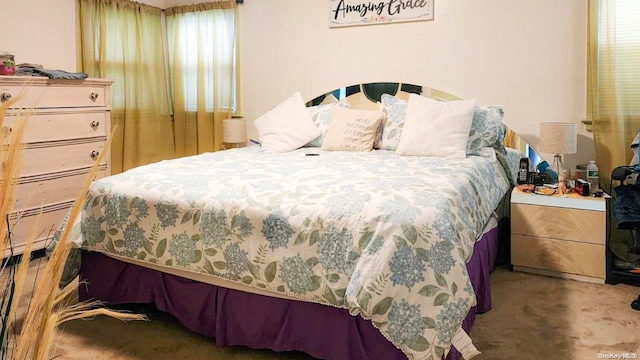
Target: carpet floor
{"x":533,"y":317}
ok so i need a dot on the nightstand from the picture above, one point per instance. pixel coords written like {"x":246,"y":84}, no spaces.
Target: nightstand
{"x":562,"y":236}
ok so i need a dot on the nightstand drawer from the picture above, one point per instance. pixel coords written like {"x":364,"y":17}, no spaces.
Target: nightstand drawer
{"x":558,"y":255}
{"x":587,"y":226}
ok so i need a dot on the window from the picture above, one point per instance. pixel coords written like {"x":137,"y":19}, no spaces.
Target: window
{"x":202,"y":48}
{"x":618,"y":56}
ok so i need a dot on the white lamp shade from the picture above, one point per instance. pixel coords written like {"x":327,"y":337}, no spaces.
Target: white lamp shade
{"x":234,"y":131}
{"x":558,"y":138}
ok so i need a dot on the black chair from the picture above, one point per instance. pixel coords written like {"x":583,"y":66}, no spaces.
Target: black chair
{"x":626,"y":209}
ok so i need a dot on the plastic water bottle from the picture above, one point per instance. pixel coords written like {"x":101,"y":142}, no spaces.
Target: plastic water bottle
{"x":592,"y":176}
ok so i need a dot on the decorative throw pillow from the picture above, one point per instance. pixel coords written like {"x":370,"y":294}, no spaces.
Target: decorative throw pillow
{"x":352,"y":130}
{"x":287,"y":126}
{"x":436,"y":128}
{"x":321,"y":116}
{"x":487,"y":129}
{"x":377,"y":141}
{"x":395,"y":110}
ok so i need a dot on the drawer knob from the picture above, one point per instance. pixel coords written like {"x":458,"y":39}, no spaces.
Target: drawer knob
{"x":5,"y":96}
{"x":94,"y":154}
{"x":95,"y":124}
{"x":6,"y":130}
{"x":93,"y":96}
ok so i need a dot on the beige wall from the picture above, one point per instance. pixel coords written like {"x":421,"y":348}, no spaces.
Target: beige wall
{"x":528,"y":55}
{"x":40,"y":32}
{"x":43,"y":31}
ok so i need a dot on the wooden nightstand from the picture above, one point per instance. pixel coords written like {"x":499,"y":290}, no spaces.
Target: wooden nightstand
{"x":559,"y":236}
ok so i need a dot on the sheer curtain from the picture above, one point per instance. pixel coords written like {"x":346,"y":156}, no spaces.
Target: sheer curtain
{"x":613,"y":86}
{"x":122,"y":40}
{"x":202,"y":45}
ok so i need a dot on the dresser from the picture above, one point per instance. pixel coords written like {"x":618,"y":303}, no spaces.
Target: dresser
{"x":561,"y":236}
{"x":67,"y":122}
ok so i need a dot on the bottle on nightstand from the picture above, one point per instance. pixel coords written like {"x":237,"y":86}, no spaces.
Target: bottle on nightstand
{"x":593,"y":176}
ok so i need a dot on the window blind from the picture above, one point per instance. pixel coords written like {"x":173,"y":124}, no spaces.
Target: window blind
{"x":618,"y":58}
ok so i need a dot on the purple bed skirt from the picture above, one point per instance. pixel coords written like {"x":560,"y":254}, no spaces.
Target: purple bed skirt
{"x":234,"y":317}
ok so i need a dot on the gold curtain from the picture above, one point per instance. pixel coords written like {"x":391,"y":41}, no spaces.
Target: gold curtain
{"x":202,"y":72}
{"x":123,"y":40}
{"x":613,"y":81}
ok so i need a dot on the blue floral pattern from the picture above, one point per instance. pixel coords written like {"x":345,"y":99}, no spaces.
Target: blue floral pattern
{"x":167,"y":214}
{"x":406,"y":267}
{"x":487,"y":129}
{"x":384,"y":236}
{"x":236,"y":260}
{"x":214,"y":229}
{"x":182,"y":249}
{"x":276,"y":230}
{"x":117,"y":211}
{"x":334,"y":249}
{"x":296,"y":274}
{"x":92,"y":227}
{"x":395,"y":111}
{"x":405,"y":324}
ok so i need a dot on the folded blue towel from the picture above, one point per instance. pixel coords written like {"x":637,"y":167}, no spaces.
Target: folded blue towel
{"x":60,"y":74}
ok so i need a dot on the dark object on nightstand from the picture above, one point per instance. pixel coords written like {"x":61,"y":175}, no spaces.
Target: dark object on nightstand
{"x":582,"y":187}
{"x":535,"y":178}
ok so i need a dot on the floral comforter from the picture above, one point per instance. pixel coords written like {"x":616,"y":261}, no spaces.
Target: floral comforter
{"x":382,"y":235}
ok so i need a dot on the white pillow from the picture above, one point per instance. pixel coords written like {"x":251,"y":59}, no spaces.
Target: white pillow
{"x":436,"y":128}
{"x":287,"y":126}
{"x":352,"y":130}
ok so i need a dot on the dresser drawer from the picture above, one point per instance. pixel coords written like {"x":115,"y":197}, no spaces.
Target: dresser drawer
{"x":558,"y":255}
{"x":587,"y":226}
{"x":21,"y":225}
{"x":59,"y":157}
{"x":49,"y":126}
{"x":47,"y":189}
{"x":40,"y":92}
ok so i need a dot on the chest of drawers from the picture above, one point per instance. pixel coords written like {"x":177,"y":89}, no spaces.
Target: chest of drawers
{"x":67,"y":122}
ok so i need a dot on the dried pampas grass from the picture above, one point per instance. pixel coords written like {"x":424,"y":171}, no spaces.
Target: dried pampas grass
{"x":12,"y":278}
{"x":49,"y":306}
{"x":10,"y":153}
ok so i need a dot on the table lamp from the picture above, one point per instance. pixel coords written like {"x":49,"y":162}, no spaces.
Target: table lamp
{"x":559,"y":138}
{"x":234,"y":131}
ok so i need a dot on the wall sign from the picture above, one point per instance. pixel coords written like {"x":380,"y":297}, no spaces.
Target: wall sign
{"x":359,"y":12}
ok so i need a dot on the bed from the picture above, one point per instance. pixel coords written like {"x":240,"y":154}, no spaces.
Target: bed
{"x":311,"y":241}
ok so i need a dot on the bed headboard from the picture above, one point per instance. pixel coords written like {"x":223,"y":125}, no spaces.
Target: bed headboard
{"x":366,"y":96}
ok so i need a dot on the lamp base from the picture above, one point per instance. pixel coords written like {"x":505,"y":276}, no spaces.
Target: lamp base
{"x":564,"y":173}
